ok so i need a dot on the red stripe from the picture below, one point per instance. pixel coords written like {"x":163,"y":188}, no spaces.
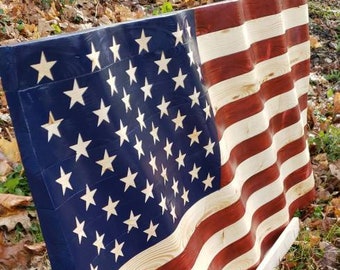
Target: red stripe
{"x":228,"y":15}
{"x":252,"y":104}
{"x":233,"y":65}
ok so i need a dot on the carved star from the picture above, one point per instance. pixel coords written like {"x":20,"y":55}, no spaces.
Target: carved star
{"x":148,"y":191}
{"x":179,"y":120}
{"x":143,"y":42}
{"x":209,"y":148}
{"x":167,"y":148}
{"x":115,"y":50}
{"x":106,"y":162}
{"x":80,"y":147}
{"x":64,"y":180}
{"x":88,"y":197}
{"x":76,"y":94}
{"x":162,"y":204}
{"x":117,"y":250}
{"x":195,"y":98}
{"x":194,"y":172}
{"x":154,"y":133}
{"x":99,"y":242}
{"x":79,"y":230}
{"x":152,"y":163}
{"x":174,"y":186}
{"x":140,"y":120}
{"x":94,"y":57}
{"x":52,"y":126}
{"x":147,"y":89}
{"x":126,"y":100}
{"x":163,"y":64}
{"x":44,"y":68}
{"x":122,"y":133}
{"x":194,"y":136}
{"x":180,"y":159}
{"x":179,"y":79}
{"x":110,"y":208}
{"x":163,"y":107}
{"x":129,"y":180}
{"x":138,"y":147}
{"x":208,"y":181}
{"x":112,"y":82}
{"x":132,"y":73}
{"x":185,"y":196}
{"x":132,"y":221}
{"x":178,"y":35}
{"x":102,"y":113}
{"x":151,"y":231}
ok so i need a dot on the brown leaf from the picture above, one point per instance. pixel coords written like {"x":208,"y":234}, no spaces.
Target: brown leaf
{"x":314,"y":42}
{"x":12,"y":202}
{"x":337,"y":103}
{"x":10,"y":149}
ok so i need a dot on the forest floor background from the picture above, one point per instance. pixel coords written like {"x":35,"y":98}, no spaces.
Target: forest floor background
{"x":318,"y":244}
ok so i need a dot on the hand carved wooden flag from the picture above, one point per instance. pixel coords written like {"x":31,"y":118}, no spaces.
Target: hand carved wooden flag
{"x":171,"y":142}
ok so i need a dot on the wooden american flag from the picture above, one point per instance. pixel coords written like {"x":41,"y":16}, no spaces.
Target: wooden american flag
{"x":176,"y":142}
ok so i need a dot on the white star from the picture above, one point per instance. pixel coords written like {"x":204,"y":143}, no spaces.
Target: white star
{"x":44,"y":68}
{"x":167,"y":148}
{"x":131,"y":72}
{"x":88,"y":197}
{"x":151,"y":231}
{"x":110,"y":208}
{"x":132,"y":221}
{"x":152,"y":163}
{"x":185,"y":196}
{"x":138,"y":147}
{"x":80,"y":147}
{"x":64,"y":180}
{"x":174,"y":186}
{"x":207,"y":110}
{"x":178,"y":120}
{"x":194,"y":136}
{"x":94,"y":57}
{"x":199,"y":71}
{"x":126,"y":100}
{"x":147,"y":89}
{"x":195,"y":98}
{"x":194,"y":172}
{"x":179,"y":79}
{"x":106,"y":162}
{"x":93,"y":268}
{"x":178,"y":35}
{"x":209,"y":148}
{"x":163,"y":107}
{"x":99,"y":242}
{"x":112,"y":82}
{"x":102,"y":113}
{"x":140,"y":120}
{"x":129,"y":179}
{"x":148,"y":191}
{"x":79,"y":230}
{"x":188,"y":29}
{"x":163,"y":64}
{"x":163,"y":204}
{"x":52,"y":126}
{"x":208,"y":181}
{"x":76,"y":94}
{"x":117,"y":250}
{"x":122,"y":133}
{"x":173,"y":213}
{"x":191,"y":57}
{"x":154,"y":134}
{"x":164,"y":174}
{"x":115,"y":50}
{"x":180,"y":159}
{"x":143,"y":42}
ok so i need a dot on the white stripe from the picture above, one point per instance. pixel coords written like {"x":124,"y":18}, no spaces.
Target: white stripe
{"x":241,"y":86}
{"x":236,"y":39}
{"x":272,"y":223}
{"x":257,"y":123}
{"x":173,"y":245}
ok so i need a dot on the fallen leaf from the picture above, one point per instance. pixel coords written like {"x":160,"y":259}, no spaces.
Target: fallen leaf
{"x":314,"y":42}
{"x":10,"y":149}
